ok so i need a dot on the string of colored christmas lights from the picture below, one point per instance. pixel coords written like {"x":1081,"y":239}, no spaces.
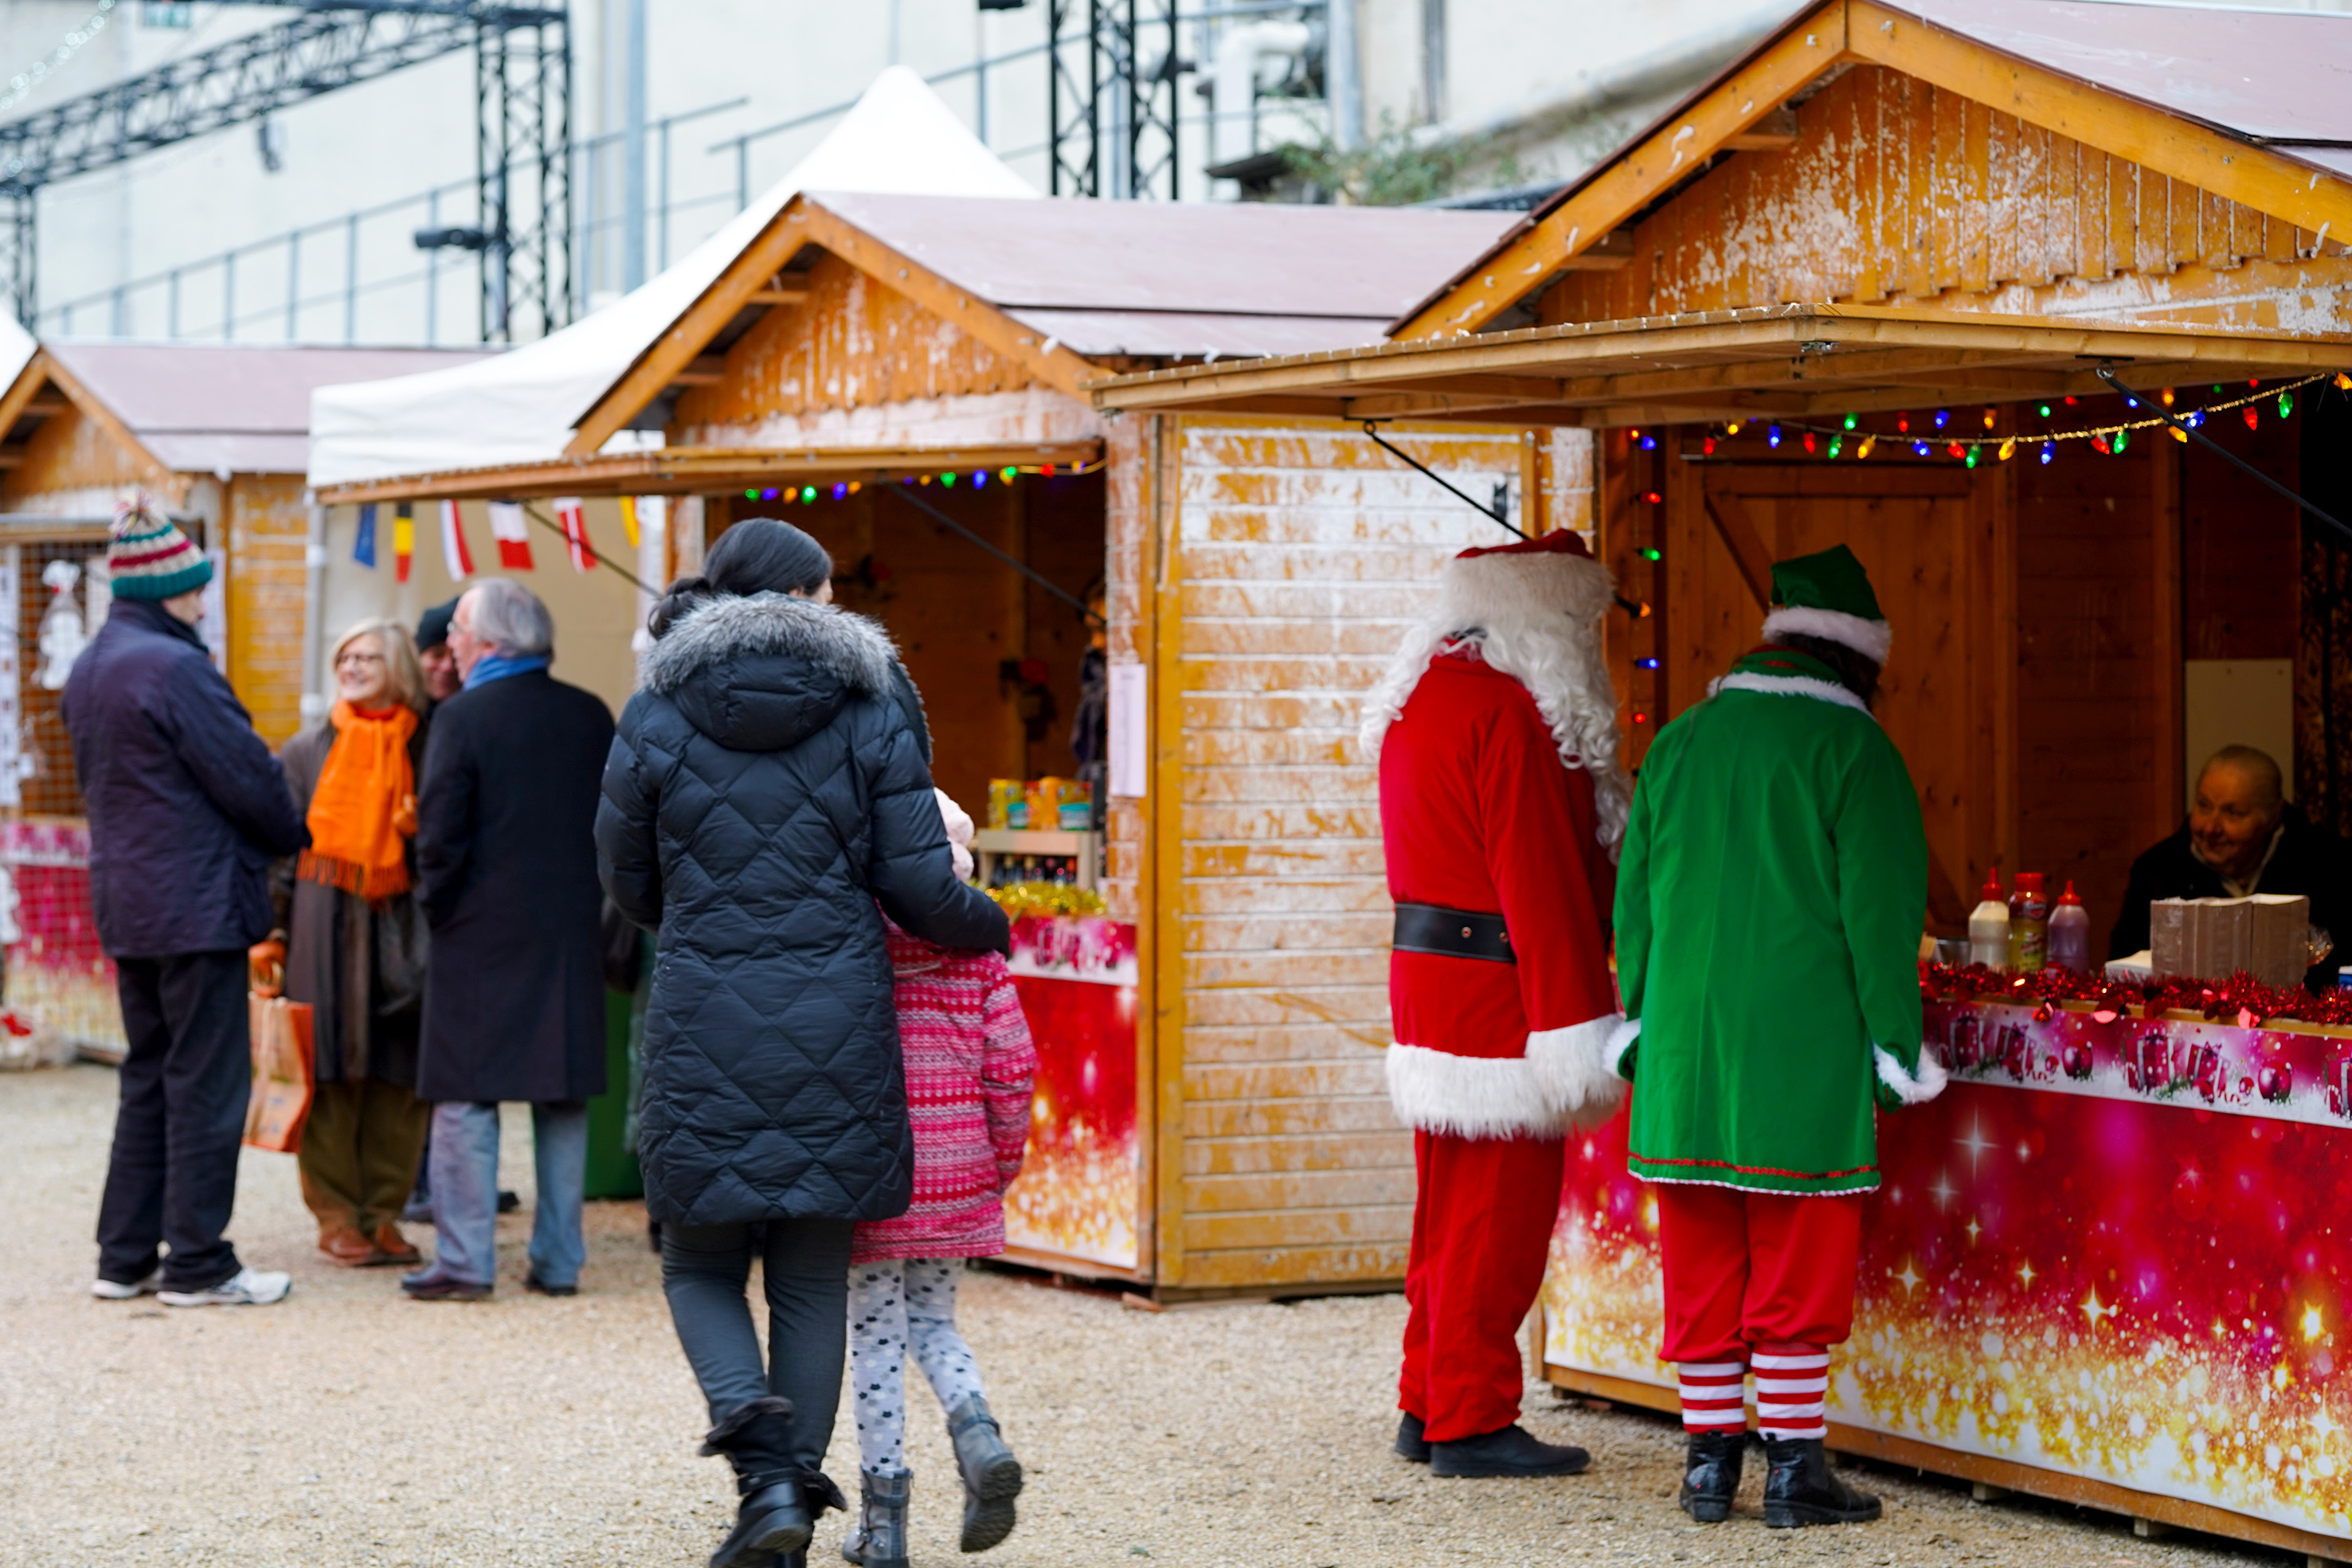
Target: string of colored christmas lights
{"x":948,"y":478}
{"x":2111,"y":439}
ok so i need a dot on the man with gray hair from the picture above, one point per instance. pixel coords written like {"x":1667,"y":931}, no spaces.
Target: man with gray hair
{"x":2243,"y":836}
{"x":514,"y":996}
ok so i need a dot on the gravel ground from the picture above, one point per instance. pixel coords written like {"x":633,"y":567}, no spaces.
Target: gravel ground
{"x":350,"y":1426}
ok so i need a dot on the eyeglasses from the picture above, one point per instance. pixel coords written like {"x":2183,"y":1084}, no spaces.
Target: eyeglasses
{"x":355,"y":657}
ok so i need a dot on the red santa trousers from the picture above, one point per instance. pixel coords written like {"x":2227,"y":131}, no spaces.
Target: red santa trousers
{"x":1745,"y":1268}
{"x":1481,"y":1227}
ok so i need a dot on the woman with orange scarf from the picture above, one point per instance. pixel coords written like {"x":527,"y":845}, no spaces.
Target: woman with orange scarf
{"x":354,"y":945}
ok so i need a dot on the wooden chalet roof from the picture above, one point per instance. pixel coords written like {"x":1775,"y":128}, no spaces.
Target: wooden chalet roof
{"x":1064,"y":286}
{"x":2241,"y":107}
{"x":1790,"y":361}
{"x":196,"y":408}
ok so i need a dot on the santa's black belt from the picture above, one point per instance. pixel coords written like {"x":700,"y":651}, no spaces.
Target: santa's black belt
{"x":1452,"y":933}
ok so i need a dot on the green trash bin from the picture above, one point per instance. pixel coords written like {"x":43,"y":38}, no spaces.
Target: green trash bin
{"x":612,"y":1147}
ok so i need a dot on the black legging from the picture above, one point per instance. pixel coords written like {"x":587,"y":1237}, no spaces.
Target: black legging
{"x":805,"y":1265}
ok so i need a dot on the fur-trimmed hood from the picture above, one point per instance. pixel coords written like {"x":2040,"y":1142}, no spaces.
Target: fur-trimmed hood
{"x":762,"y":672}
{"x":1536,"y":618}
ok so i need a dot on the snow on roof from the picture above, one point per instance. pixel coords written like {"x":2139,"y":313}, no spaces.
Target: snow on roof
{"x":520,"y":406}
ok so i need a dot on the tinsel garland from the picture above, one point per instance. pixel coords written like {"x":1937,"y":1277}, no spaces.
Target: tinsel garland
{"x":1021,"y":900}
{"x":2241,"y":999}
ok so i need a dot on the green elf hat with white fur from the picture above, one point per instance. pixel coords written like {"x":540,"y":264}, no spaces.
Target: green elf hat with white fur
{"x":1828,"y":595}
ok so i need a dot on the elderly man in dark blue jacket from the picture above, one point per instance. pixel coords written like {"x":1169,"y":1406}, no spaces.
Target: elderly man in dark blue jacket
{"x":187,"y":810}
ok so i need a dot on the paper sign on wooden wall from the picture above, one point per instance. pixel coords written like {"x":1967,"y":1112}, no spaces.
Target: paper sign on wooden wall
{"x":1130,"y":731}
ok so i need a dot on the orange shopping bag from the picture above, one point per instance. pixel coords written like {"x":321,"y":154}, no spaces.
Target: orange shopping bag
{"x":282,"y":1074}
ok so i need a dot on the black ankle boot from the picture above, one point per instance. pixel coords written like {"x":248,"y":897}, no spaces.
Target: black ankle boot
{"x":1711,"y":1475}
{"x":1801,"y":1488}
{"x":992,"y":1476}
{"x":878,"y":1540}
{"x":776,"y":1514}
{"x":1412,"y":1438}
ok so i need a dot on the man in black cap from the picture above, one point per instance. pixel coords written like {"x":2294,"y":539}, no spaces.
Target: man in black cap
{"x":442,"y":680}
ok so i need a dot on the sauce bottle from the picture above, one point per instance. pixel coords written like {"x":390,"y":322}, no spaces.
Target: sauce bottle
{"x":2070,"y":933}
{"x":2029,"y":925}
{"x":1988,"y":925}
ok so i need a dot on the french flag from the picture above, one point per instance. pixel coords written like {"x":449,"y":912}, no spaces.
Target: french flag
{"x":572,"y":514}
{"x":509,"y":527}
{"x":454,"y":554}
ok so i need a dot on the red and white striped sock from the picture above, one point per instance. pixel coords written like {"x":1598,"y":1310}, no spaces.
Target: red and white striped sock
{"x":1792,"y":1387}
{"x":1711,"y":1393}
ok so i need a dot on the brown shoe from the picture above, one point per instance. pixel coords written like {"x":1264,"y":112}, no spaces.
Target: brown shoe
{"x":346,"y":1247}
{"x":392,"y":1247}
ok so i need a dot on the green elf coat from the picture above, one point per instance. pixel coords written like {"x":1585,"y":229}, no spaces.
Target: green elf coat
{"x":1770,"y":901}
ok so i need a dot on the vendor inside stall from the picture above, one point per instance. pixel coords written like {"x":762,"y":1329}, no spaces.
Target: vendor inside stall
{"x":2243,"y":836}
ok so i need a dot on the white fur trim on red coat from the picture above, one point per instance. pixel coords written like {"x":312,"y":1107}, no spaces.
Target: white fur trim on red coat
{"x":1577,"y":1069}
{"x":1507,"y":1096}
{"x":1911,"y":1088}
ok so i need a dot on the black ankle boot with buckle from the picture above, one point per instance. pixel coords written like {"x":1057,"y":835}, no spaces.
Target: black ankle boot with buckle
{"x":1800,"y":1488}
{"x":780,"y":1500}
{"x":1711,"y":1475}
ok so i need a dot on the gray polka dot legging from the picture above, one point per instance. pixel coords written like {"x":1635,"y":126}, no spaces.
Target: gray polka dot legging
{"x":895,"y":1306}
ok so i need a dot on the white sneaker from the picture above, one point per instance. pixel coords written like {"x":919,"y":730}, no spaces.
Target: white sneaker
{"x":107,"y":1290}
{"x":246,"y":1288}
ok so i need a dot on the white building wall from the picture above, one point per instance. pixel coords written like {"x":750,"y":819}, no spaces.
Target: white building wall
{"x":1534,"y":68}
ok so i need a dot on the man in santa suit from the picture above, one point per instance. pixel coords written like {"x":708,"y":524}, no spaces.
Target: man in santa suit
{"x":1501,"y":803}
{"x":1768,"y":911}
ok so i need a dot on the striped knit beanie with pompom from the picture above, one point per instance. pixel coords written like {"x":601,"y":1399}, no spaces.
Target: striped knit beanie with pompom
{"x":150,"y":559}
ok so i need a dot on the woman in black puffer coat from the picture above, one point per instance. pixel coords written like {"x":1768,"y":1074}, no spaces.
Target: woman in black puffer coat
{"x":768,"y":785}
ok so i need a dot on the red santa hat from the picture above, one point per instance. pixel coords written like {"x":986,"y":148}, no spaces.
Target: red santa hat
{"x":1534,"y":609}
{"x":1550,"y":574}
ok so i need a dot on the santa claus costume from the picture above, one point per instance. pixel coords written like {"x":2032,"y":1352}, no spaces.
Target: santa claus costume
{"x":1768,"y":910}
{"x":1501,"y":803}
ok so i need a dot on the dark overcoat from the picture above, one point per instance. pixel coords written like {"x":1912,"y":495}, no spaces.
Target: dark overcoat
{"x":361,"y":968}
{"x":767,"y":787}
{"x":187,"y":808}
{"x":506,"y":874}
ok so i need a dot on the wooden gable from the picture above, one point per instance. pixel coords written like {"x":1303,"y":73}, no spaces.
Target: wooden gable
{"x":850,"y":341}
{"x":55,"y":436}
{"x":1895,"y":190}
{"x":1949,"y":169}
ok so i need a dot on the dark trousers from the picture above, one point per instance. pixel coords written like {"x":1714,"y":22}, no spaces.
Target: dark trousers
{"x":805,"y":1265}
{"x":185,"y":1081}
{"x":360,"y":1148}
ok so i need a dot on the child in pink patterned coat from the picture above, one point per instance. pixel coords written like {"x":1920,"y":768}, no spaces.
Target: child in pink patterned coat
{"x":970,"y":1061}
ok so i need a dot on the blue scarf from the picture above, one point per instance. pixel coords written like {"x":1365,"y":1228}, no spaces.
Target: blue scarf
{"x":498,"y":666}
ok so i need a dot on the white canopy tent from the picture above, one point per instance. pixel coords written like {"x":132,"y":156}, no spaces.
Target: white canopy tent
{"x":521,"y":407}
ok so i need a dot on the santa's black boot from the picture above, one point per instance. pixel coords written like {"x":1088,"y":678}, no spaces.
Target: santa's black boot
{"x":1801,"y":1488}
{"x":1711,"y":1475}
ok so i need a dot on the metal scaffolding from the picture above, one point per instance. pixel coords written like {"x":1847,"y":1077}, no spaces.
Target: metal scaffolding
{"x":522,"y":98}
{"x":1111,"y":99}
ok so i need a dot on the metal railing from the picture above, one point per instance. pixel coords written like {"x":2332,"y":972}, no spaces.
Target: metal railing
{"x":359,"y":277}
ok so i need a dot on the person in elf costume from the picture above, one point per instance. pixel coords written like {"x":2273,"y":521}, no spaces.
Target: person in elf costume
{"x":1768,"y":909}
{"x":1501,"y":803}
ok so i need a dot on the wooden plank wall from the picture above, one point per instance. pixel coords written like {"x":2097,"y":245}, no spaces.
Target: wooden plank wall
{"x":2098,"y":667}
{"x":1301,"y":554}
{"x":269,"y":528}
{"x":1930,"y":535}
{"x":1898,"y":190}
{"x":853,"y":343}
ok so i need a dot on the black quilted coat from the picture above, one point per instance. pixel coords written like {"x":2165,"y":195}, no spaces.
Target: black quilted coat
{"x":765,"y":789}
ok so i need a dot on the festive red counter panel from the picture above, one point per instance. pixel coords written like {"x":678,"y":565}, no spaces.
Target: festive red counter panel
{"x":2113,"y":1249}
{"x":1080,"y":1182}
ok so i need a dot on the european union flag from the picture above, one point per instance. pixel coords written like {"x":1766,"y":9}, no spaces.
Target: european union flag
{"x":364,"y":547}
